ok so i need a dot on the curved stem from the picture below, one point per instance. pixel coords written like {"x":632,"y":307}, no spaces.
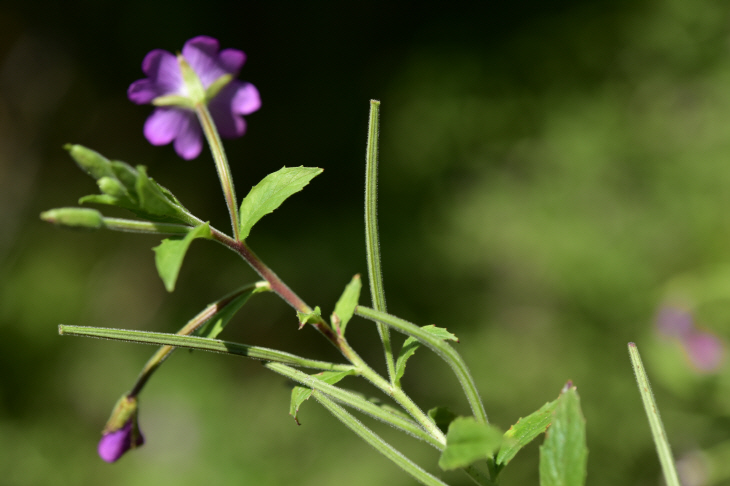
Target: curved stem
{"x":277,"y":285}
{"x":440,"y":347}
{"x":399,"y":396}
{"x":221,"y":164}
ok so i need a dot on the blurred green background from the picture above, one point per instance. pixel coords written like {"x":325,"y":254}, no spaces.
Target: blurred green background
{"x":552,"y":173}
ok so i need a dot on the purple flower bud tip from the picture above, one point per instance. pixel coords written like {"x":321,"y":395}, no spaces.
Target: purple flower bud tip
{"x":113,"y":445}
{"x":179,"y":124}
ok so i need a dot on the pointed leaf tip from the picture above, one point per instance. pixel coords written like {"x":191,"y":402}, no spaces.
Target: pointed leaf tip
{"x":169,"y":254}
{"x":345,"y":307}
{"x":271,"y":192}
{"x":564,"y":455}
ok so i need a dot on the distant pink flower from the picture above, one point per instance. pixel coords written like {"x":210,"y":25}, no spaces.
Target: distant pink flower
{"x":704,"y":350}
{"x":179,"y":124}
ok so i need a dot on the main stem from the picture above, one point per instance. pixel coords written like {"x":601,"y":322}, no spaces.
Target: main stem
{"x":221,"y":165}
{"x":279,"y":287}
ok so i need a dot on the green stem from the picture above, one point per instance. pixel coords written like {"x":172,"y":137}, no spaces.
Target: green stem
{"x":655,"y":421}
{"x":203,"y":344}
{"x":221,"y":164}
{"x":192,"y":325}
{"x":378,"y":443}
{"x":372,"y":239}
{"x":397,"y":394}
{"x":356,"y":401}
{"x":441,"y":348}
{"x":134,"y":226}
{"x":277,"y":285}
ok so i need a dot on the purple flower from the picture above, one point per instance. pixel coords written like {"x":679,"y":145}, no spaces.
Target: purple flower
{"x":227,"y":99}
{"x":114,"y":444}
{"x":121,"y":432}
{"x":705,"y":351}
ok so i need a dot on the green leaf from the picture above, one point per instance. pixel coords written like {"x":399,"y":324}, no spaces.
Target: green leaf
{"x":301,"y":393}
{"x":412,"y":344}
{"x":564,"y":455}
{"x":170,"y":254}
{"x":469,"y":441}
{"x":443,"y":417}
{"x":273,"y":190}
{"x":345,"y":307}
{"x":215,"y":325}
{"x":524,"y":431}
{"x":152,"y":197}
{"x":309,"y":317}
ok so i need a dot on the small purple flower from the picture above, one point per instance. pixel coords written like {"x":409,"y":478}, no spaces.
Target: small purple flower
{"x":121,"y":432}
{"x":114,"y":444}
{"x":227,"y":99}
{"x":705,"y":351}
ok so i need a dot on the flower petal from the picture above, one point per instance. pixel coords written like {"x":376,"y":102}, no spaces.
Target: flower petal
{"x":222,"y":108}
{"x":165,"y":124}
{"x":189,"y":141}
{"x":246,"y":100}
{"x":202,"y":54}
{"x":113,"y":445}
{"x":231,"y":60}
{"x":164,"y":78}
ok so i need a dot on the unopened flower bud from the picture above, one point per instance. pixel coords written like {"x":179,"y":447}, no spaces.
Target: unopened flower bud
{"x":74,"y":217}
{"x":91,"y":162}
{"x":122,"y":431}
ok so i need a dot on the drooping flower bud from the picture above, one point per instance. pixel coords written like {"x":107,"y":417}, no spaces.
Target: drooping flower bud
{"x":121,"y":432}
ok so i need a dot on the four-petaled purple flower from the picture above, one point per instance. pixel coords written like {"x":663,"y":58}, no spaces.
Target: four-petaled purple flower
{"x":177,"y":121}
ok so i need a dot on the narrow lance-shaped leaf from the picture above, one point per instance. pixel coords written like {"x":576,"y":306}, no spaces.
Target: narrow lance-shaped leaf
{"x":215,"y":325}
{"x":469,"y":441}
{"x":412,"y":344}
{"x":564,"y":455}
{"x":345,"y":307}
{"x":301,"y":393}
{"x":524,"y":431}
{"x":273,"y":190}
{"x":169,"y":255}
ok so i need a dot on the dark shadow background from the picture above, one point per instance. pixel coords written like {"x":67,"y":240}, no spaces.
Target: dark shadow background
{"x":551,"y":174}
